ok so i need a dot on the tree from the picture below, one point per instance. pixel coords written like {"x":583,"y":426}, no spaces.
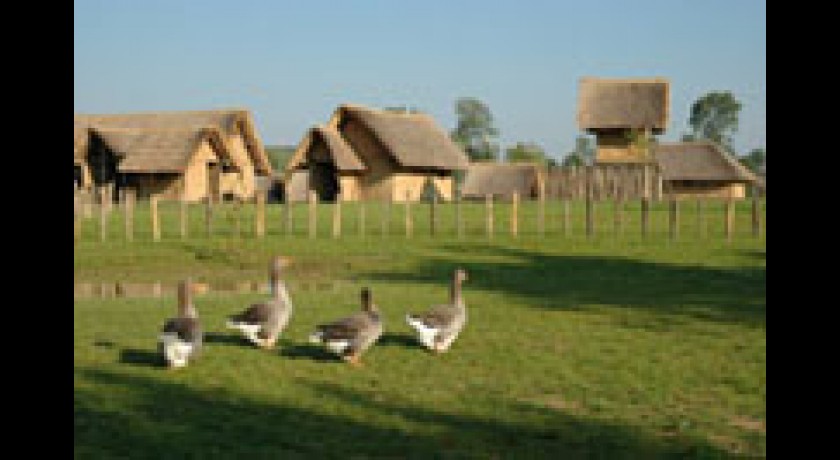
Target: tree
{"x":583,"y":154}
{"x":475,"y":132}
{"x":525,"y":152}
{"x":754,"y":160}
{"x":714,"y":117}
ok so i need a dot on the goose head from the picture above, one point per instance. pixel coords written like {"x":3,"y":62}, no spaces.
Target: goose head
{"x":460,"y":275}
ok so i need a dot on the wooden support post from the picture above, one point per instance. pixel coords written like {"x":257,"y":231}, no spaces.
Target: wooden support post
{"x":541,"y":209}
{"x":673,"y":218}
{"x":313,"y":216}
{"x":645,"y":215}
{"x":103,"y":214}
{"x":514,"y":215}
{"x":408,"y":222}
{"x":488,"y":200}
{"x":362,"y":218}
{"x":729,"y":220}
{"x":433,"y":215}
{"x":459,"y":222}
{"x":129,"y":214}
{"x":77,"y":217}
{"x":336,"y":225}
{"x":153,"y":204}
{"x":288,"y":214}
{"x":567,"y":217}
{"x":185,"y":215}
{"x":260,"y":214}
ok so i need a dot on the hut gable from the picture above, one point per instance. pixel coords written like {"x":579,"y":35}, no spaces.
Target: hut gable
{"x":330,"y":142}
{"x":699,"y":161}
{"x":413,"y":140}
{"x":501,"y":179}
{"x":231,"y":124}
{"x":622,"y":104}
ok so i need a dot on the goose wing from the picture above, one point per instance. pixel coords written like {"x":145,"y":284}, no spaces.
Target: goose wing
{"x":187,"y":329}
{"x":438,"y":316}
{"x":346,"y":328}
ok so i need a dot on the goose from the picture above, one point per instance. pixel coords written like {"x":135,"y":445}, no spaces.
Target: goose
{"x":262,"y":323}
{"x":350,"y":337}
{"x":182,"y":336}
{"x":438,"y":327}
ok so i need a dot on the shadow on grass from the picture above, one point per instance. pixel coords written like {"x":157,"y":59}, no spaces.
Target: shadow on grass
{"x":161,"y":419}
{"x":308,"y":351}
{"x":390,"y":339}
{"x":138,"y":357}
{"x":548,"y":281}
{"x":227,"y":339}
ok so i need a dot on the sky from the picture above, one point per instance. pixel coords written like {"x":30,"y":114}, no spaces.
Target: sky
{"x":293,"y":62}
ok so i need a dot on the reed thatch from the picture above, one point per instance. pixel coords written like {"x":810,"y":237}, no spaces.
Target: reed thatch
{"x":610,"y":104}
{"x":501,"y":180}
{"x":227,"y":121}
{"x":159,"y":150}
{"x":700,"y":161}
{"x":342,"y":154}
{"x":413,"y":139}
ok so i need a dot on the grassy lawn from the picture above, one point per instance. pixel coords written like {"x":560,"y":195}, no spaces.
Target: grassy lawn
{"x":609,"y":347}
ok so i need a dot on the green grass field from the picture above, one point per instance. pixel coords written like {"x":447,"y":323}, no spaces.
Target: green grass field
{"x":609,"y":347}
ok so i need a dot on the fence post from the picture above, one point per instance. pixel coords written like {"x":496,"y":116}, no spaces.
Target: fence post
{"x":756,"y":215}
{"x":362,"y":218}
{"x":590,"y":218}
{"x":313,"y":217}
{"x":103,"y":214}
{"x":128,"y":208}
{"x":673,"y":217}
{"x":541,"y":209}
{"x":645,"y":214}
{"x":77,"y":217}
{"x":184,"y":218}
{"x":488,"y":200}
{"x":514,"y":214}
{"x":153,"y":204}
{"x":260,"y":225}
{"x":433,"y":215}
{"x":567,"y":217}
{"x":208,"y":216}
{"x":459,"y":223}
{"x":336,"y":230}
{"x":408,"y":222}
{"x":729,"y":218}
{"x":288,"y":214}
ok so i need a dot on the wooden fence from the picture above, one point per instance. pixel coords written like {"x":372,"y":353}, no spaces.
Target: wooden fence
{"x":129,"y":220}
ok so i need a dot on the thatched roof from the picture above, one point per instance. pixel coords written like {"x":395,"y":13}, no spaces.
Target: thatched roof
{"x":413,"y":139}
{"x":343,"y":156}
{"x":605,"y":104}
{"x":158,"y":150}
{"x":500,"y":179}
{"x":700,"y":160}
{"x":227,"y":121}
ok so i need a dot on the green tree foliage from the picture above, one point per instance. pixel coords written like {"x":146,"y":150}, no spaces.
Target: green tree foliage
{"x":754,"y":160}
{"x":475,"y":132}
{"x":715,"y":117}
{"x":583,"y":154}
{"x":525,"y":152}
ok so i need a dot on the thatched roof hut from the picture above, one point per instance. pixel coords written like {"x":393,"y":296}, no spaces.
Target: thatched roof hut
{"x":230,"y":123}
{"x":501,"y":180}
{"x":702,"y":168}
{"x":365,"y":153}
{"x":164,"y":150}
{"x":606,"y":104}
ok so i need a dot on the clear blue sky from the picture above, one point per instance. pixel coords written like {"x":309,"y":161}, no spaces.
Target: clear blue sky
{"x":293,"y":62}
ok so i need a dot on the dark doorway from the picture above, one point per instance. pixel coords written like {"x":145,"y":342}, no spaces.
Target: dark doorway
{"x":324,"y":180}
